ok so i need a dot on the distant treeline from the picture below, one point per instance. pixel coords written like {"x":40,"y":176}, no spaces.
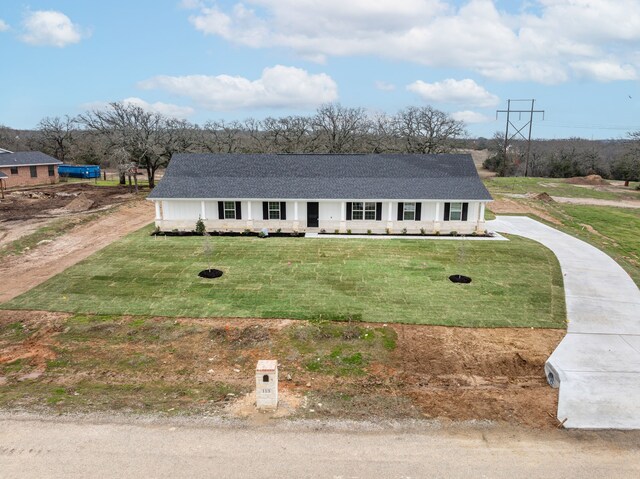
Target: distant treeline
{"x":124,"y":135}
{"x":611,"y":159}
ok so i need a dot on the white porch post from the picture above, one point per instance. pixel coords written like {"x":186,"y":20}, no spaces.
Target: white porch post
{"x":158,"y":211}
{"x":343,"y":215}
{"x":295,"y":211}
{"x":482,"y":212}
{"x":203,"y":214}
{"x":437,"y":211}
{"x":390,"y":216}
{"x":249,"y":211}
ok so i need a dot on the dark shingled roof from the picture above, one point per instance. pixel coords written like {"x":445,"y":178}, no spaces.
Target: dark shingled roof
{"x":271,"y":176}
{"x":26,"y":158}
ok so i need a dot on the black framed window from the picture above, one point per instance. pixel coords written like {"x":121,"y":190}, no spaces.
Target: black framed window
{"x":229,"y":210}
{"x":14,"y":170}
{"x":363,"y":210}
{"x":455,"y":212}
{"x":52,"y":170}
{"x":274,"y":210}
{"x":409,"y":212}
{"x":34,"y":171}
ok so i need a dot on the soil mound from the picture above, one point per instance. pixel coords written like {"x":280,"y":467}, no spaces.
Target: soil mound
{"x":544,"y":196}
{"x":587,"y":180}
{"x":81,"y":203}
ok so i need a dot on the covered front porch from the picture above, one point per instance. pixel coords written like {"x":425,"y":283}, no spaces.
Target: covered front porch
{"x":355,"y":216}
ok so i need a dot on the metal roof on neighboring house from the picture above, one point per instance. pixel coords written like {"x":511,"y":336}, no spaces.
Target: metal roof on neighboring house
{"x":326,"y":176}
{"x":27,"y":158}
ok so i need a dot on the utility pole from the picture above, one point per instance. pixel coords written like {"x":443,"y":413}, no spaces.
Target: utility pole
{"x":518,"y":129}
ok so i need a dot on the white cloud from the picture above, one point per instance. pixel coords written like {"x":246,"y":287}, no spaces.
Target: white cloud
{"x":605,"y":71}
{"x":384,"y":86}
{"x":3,"y":25}
{"x":461,"y":92}
{"x":469,"y":116}
{"x":50,"y":28}
{"x":549,"y":41}
{"x":166,"y":109}
{"x":278,"y":87}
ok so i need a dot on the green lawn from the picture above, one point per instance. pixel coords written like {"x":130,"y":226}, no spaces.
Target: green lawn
{"x":617,"y":232}
{"x":554,"y":187}
{"x":516,"y":283}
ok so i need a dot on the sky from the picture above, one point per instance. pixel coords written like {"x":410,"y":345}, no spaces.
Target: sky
{"x":207,"y":60}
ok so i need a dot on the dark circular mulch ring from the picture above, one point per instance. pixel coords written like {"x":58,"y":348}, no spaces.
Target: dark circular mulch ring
{"x":458,"y":278}
{"x":210,"y":273}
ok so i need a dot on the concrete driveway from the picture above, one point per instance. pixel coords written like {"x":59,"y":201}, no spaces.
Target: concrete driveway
{"x":597,"y":364}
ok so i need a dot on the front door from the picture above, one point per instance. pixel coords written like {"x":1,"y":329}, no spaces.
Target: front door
{"x":312,"y":214}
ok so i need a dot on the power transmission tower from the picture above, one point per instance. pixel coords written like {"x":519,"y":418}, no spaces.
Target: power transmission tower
{"x":518,"y":129}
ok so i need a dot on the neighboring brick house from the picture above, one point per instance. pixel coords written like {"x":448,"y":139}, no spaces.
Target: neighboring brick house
{"x":26,"y":168}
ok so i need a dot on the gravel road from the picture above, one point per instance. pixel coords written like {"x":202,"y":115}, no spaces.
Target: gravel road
{"x":32,"y":447}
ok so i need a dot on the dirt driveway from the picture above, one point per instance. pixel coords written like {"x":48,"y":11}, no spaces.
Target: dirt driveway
{"x":21,"y":273}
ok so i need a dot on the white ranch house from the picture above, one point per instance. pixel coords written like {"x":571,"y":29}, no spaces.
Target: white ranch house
{"x":309,"y":193}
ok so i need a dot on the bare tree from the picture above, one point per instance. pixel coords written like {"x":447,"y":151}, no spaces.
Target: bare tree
{"x":427,"y":130}
{"x":627,"y":166}
{"x":289,"y":134}
{"x":149,"y":138}
{"x":55,"y":136}
{"x":11,"y":139}
{"x":381,"y":136}
{"x":337,"y":128}
{"x":222,"y":137}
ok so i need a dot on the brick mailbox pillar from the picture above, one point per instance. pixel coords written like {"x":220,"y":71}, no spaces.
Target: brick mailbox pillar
{"x":267,"y":384}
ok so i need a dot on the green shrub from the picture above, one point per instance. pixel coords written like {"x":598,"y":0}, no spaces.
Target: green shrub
{"x":423,"y":231}
{"x":200,"y":228}
{"x":348,"y":231}
{"x":404,"y":231}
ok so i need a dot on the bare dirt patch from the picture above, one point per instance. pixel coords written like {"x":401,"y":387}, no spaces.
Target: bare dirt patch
{"x":36,"y":266}
{"x":464,"y":373}
{"x":479,"y":157}
{"x":510,"y":206}
{"x":207,"y":365}
{"x":37,"y":202}
{"x":592,"y":180}
{"x":23,"y":211}
{"x":29,"y":338}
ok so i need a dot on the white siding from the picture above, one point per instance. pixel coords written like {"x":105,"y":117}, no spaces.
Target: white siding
{"x":330,"y":210}
{"x":181,"y":210}
{"x":429,"y":211}
{"x":183,"y":214}
{"x":211,"y":209}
